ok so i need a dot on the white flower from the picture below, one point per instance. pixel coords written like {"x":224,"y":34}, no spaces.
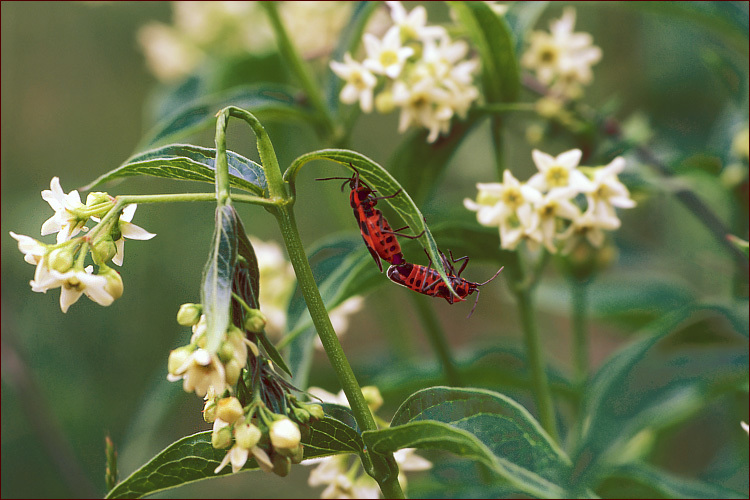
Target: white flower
{"x":328,"y":397}
{"x":425,"y":104}
{"x":201,"y":371}
{"x":65,"y":222}
{"x":237,"y":455}
{"x":360,"y":82}
{"x":412,"y":25}
{"x":277,"y":280}
{"x":33,"y":250}
{"x":75,"y":283}
{"x":386,"y":56}
{"x":607,"y":191}
{"x":407,"y":460}
{"x":745,"y":427}
{"x":552,"y":207}
{"x":496,"y":202}
{"x":130,"y":231}
{"x":559,"y":174}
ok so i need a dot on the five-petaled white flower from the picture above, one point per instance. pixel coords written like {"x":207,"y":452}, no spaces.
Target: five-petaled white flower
{"x":412,"y":25}
{"x":386,"y":56}
{"x":130,"y":231}
{"x":360,"y":82}
{"x":200,"y":371}
{"x":74,"y":283}
{"x":497,"y":202}
{"x":65,"y":222}
{"x":607,"y":191}
{"x":552,"y":207}
{"x":559,"y":175}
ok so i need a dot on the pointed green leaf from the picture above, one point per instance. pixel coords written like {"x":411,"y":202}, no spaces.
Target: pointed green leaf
{"x":484,"y":426}
{"x":494,"y":40}
{"x":380,"y":180}
{"x":218,"y":275}
{"x":271,"y":101}
{"x":189,"y":163}
{"x":193,"y":459}
{"x":649,"y":385}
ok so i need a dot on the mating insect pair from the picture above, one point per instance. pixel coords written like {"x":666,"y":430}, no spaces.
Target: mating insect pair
{"x":381,"y":242}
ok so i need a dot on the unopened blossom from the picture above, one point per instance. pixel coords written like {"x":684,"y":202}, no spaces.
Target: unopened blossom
{"x":413,"y":25}
{"x":66,"y":223}
{"x":607,"y":191}
{"x":284,"y":434}
{"x":386,"y":56}
{"x":360,"y":82}
{"x":559,"y":174}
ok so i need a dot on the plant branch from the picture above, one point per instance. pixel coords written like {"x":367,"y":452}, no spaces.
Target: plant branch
{"x":436,"y":336}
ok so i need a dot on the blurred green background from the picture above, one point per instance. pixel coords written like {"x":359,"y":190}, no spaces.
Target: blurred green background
{"x":74,"y":96}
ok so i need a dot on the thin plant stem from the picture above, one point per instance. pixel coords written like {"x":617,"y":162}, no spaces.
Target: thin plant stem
{"x":535,"y":357}
{"x":580,"y":333}
{"x":436,"y":336}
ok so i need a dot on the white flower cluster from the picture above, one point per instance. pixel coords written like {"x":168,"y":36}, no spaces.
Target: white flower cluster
{"x":204,"y":30}
{"x":562,"y":59}
{"x":538,"y":211}
{"x":414,"y":67}
{"x":62,"y":265}
{"x":346,"y":480}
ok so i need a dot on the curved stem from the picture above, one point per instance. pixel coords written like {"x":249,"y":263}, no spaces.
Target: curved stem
{"x":436,"y":335}
{"x":580,"y":333}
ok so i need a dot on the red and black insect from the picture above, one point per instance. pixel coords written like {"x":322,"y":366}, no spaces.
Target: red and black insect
{"x":427,"y":281}
{"x":377,"y":234}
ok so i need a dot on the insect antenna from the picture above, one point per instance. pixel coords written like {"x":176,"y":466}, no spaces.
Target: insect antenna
{"x":495,"y":276}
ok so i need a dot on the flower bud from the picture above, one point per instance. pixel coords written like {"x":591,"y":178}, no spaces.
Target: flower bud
{"x":209,"y":411}
{"x":114,"y":285}
{"x":284,"y":434}
{"x":104,"y":249}
{"x":372,"y":397}
{"x":281,"y":465}
{"x":315,"y":410}
{"x":255,"y":321}
{"x":189,"y":314}
{"x":177,"y":357}
{"x":232,"y":371}
{"x":301,"y":415}
{"x":384,"y":102}
{"x":97,"y":198}
{"x":229,"y":409}
{"x":298,"y":454}
{"x":60,"y":259}
{"x":221,"y":437}
{"x":246,"y":435}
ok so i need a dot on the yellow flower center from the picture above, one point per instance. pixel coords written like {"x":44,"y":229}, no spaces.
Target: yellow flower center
{"x":549,"y":209}
{"x":388,"y":58}
{"x":548,"y":54}
{"x":513,"y":198}
{"x":357,"y":80}
{"x":557,"y":176}
{"x":75,"y":284}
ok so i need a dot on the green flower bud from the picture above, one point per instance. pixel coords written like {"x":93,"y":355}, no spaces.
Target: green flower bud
{"x":97,"y":198}
{"x":177,"y":357}
{"x":189,"y":314}
{"x":114,"y":285}
{"x":298,"y":454}
{"x":246,"y":435}
{"x":384,"y":102}
{"x":284,"y":434}
{"x":221,"y":437}
{"x":301,"y":415}
{"x":209,"y":411}
{"x":281,"y":465}
{"x":232,"y":371}
{"x":61,"y":259}
{"x":229,"y":409}
{"x":256,"y":321}
{"x":315,"y":410}
{"x":104,"y":249}
{"x":372,"y":397}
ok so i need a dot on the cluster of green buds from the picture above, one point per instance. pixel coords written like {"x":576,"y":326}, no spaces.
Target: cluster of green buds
{"x":63,"y":265}
{"x":273,"y":439}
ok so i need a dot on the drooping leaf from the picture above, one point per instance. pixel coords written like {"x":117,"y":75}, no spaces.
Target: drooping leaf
{"x":481,"y":425}
{"x":189,"y":163}
{"x":271,"y":101}
{"x":494,"y":40}
{"x":383,"y":182}
{"x":193,"y":459}
{"x":657,"y":381}
{"x":218,"y":275}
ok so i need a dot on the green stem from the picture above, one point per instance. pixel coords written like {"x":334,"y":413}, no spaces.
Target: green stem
{"x":299,"y":68}
{"x":222,"y":163}
{"x":436,"y":335}
{"x":580,"y":334}
{"x":386,"y":473}
{"x":496,"y":127}
{"x":535,"y":356}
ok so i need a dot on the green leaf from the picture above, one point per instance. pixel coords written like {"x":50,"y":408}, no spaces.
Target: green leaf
{"x":657,"y":381}
{"x":494,"y":40}
{"x":669,"y":485}
{"x":482,"y":425}
{"x":383,"y":182}
{"x":521,"y":17}
{"x":189,"y":163}
{"x":193,"y":459}
{"x":218,"y":275}
{"x":270,"y":101}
